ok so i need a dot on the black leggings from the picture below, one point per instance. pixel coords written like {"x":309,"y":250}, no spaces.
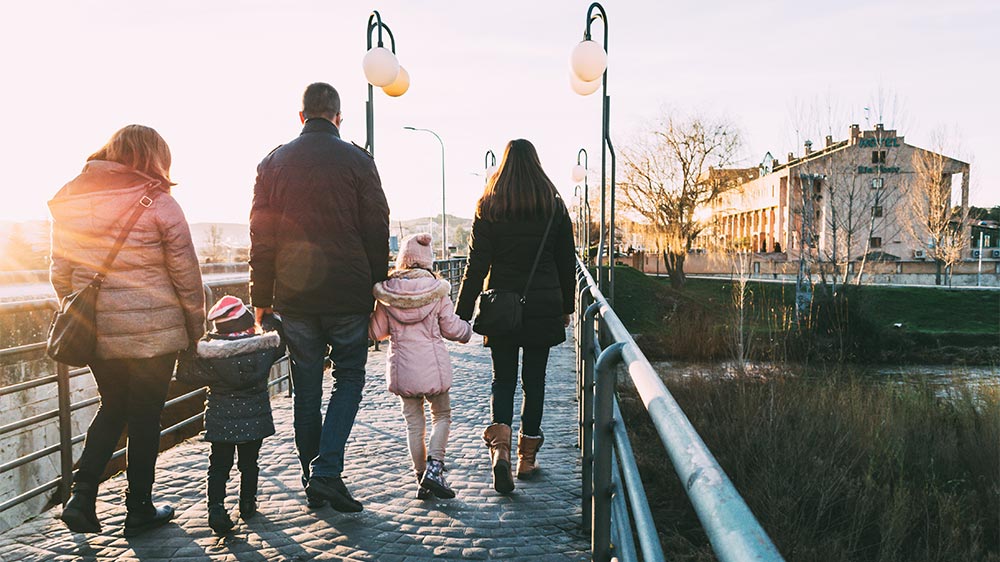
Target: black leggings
{"x":220,"y":464}
{"x":532,"y":385}
{"x":132,"y":394}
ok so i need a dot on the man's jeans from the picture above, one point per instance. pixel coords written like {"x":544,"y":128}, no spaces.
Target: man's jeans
{"x":321,"y":442}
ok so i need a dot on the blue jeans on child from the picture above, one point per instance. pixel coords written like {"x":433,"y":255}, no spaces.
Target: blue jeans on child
{"x":320,"y":442}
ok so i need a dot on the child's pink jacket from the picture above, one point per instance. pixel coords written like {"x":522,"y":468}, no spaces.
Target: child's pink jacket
{"x":412,"y":307}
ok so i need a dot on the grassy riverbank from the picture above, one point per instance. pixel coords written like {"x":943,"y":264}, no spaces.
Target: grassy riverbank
{"x":881,"y":324}
{"x":837,"y":469}
{"x":836,"y":466}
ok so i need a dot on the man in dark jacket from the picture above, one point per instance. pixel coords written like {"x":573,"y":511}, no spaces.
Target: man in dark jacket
{"x":319,"y":241}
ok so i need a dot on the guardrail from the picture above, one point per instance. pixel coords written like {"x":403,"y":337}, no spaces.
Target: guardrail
{"x":65,"y":409}
{"x":451,"y":270}
{"x":609,"y":470}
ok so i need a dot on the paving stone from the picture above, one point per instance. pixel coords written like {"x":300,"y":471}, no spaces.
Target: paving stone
{"x":541,"y":520}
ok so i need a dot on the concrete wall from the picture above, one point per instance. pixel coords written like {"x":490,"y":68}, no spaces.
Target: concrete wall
{"x":24,"y":328}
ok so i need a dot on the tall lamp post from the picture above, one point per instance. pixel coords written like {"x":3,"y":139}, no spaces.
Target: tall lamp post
{"x":490,"y":164}
{"x":444,"y":217}
{"x":589,"y":63}
{"x":382,"y":69}
{"x":580,"y":174}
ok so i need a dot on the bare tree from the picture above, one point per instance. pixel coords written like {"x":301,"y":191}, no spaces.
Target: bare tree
{"x":937,"y":224}
{"x":215,"y":247}
{"x":664,"y":179}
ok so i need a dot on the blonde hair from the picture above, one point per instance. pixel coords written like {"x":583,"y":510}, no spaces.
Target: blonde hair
{"x":140,"y":148}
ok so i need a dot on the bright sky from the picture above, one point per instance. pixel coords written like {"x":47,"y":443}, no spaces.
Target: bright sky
{"x":222,"y":82}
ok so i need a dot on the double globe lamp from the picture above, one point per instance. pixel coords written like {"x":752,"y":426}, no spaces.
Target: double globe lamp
{"x":588,"y":62}
{"x":382,"y":69}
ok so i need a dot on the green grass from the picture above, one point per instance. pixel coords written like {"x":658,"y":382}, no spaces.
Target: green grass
{"x":698,"y":322}
{"x":836,"y":469}
{"x":919,"y":309}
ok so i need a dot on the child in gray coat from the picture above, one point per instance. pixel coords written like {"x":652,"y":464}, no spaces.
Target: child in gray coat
{"x":234,"y":361}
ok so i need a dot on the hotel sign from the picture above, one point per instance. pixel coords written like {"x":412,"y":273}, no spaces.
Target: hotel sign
{"x":871,"y":143}
{"x":878,"y":169}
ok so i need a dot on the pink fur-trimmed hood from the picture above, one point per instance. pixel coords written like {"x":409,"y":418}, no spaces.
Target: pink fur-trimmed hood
{"x":411,"y":294}
{"x":414,"y":310}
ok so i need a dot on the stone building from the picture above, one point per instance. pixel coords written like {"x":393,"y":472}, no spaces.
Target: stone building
{"x":847,"y":200}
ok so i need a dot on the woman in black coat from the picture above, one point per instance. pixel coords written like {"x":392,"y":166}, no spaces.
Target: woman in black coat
{"x":509,"y":227}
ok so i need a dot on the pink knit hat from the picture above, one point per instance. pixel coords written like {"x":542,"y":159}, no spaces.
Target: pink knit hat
{"x":230,"y":315}
{"x":415,"y":251}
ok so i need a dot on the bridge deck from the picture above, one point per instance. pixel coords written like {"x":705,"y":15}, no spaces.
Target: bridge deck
{"x":540,"y":521}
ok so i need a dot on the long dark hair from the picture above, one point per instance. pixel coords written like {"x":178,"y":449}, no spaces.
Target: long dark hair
{"x":519,"y":190}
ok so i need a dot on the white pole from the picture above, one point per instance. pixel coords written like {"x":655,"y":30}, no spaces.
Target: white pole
{"x":979,"y":272}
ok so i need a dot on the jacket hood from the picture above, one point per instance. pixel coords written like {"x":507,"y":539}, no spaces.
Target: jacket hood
{"x":101,"y":192}
{"x":215,"y":347}
{"x":409,"y":295}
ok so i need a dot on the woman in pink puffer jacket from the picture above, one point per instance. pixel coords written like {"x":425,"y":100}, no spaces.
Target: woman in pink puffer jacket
{"x":413,"y":308}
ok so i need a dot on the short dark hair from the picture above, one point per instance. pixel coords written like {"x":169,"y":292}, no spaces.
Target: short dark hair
{"x":320,"y":100}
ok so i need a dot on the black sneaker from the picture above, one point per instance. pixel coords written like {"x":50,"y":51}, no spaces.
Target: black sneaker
{"x":218,"y":519}
{"x":248,"y":508}
{"x":333,"y":490}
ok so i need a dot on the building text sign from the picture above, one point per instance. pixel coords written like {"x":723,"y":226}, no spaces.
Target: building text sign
{"x":870,"y":143}
{"x":878,"y":169}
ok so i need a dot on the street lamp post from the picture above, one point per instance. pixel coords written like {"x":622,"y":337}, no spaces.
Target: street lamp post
{"x":580,"y":174}
{"x":444,"y":217}
{"x":382,"y":69}
{"x":589,"y":61}
{"x":490,"y":164}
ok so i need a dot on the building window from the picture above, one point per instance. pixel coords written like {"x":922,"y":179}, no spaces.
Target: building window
{"x":878,"y":157}
{"x":875,"y":242}
{"x":878,"y":183}
{"x":877,"y":211}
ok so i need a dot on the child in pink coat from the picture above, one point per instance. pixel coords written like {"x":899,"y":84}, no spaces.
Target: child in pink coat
{"x":414,"y":310}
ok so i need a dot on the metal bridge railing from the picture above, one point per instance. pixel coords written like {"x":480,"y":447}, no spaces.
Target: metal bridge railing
{"x":65,"y":409}
{"x":609,"y":470}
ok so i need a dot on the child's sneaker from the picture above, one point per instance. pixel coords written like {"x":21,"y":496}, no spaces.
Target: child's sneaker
{"x":434,"y":479}
{"x":218,"y":519}
{"x":423,"y":493}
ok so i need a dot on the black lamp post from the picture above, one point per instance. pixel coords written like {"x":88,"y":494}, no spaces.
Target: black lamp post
{"x":381,"y":69}
{"x":490,"y":164}
{"x":580,"y":174}
{"x":589,"y":62}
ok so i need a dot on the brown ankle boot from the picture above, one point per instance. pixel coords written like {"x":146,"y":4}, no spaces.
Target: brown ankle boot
{"x":527,"y":448}
{"x":497,"y":437}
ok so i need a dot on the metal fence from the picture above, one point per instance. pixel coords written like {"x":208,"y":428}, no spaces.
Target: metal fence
{"x":610,"y":475}
{"x":64,"y":410}
{"x":450,"y":270}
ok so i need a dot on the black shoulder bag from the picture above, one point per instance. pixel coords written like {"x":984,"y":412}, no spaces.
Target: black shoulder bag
{"x":73,"y":332}
{"x":500,"y":310}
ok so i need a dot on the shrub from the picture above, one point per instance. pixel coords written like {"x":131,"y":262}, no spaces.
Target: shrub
{"x":837,"y":468}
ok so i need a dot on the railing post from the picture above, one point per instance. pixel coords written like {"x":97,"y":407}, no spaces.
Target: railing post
{"x":581,"y":306}
{"x":587,"y":421}
{"x":65,"y":431}
{"x":604,"y":440}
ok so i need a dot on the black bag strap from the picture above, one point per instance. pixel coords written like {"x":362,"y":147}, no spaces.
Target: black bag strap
{"x":538,"y":255}
{"x":142,"y":204}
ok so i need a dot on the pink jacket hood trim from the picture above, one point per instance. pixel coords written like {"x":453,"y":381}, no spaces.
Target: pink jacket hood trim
{"x":411,"y":294}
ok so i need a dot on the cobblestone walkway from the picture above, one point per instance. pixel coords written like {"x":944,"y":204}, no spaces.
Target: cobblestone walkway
{"x":539,"y":521}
